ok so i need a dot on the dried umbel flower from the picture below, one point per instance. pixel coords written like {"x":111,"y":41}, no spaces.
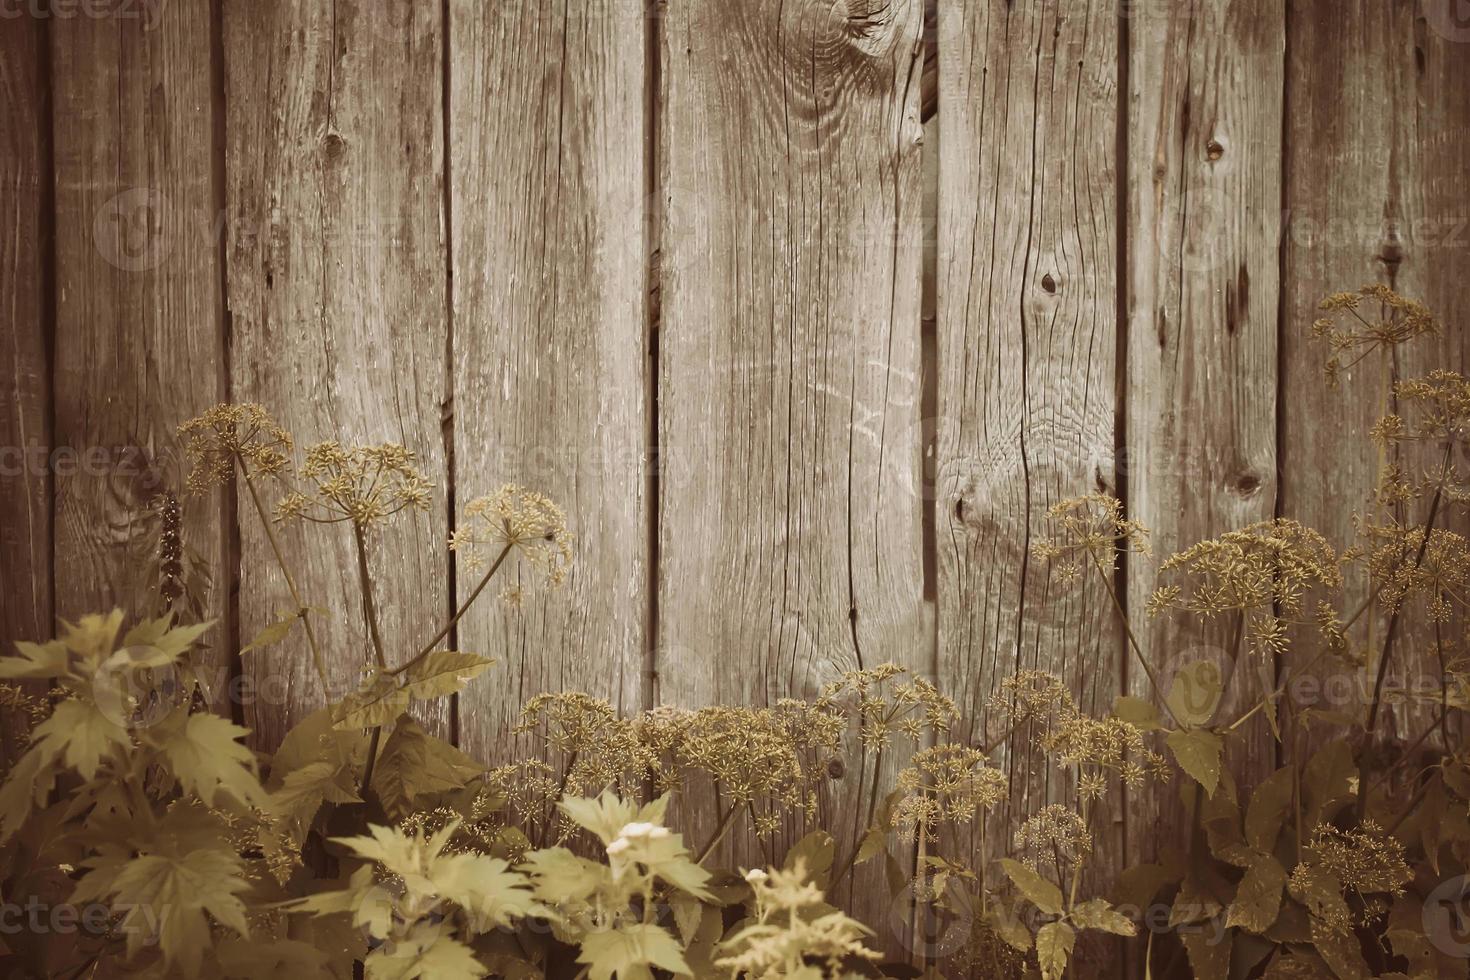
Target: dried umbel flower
{"x":1364,"y":860}
{"x":1108,"y":744}
{"x":1030,"y":695}
{"x":1263,"y":571}
{"x":887,"y":701}
{"x":363,"y":485}
{"x":601,"y":749}
{"x":1440,"y":580}
{"x":747,"y":752}
{"x":1054,"y":830}
{"x":1088,"y":530}
{"x":519,"y":520}
{"x":1350,"y":335}
{"x":946,"y":783}
{"x":227,"y":435}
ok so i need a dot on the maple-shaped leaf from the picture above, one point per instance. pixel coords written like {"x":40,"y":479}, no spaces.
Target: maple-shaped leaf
{"x":487,"y":888}
{"x":443,"y":672}
{"x":92,"y":639}
{"x":164,"y":897}
{"x":629,"y":951}
{"x":205,"y":756}
{"x":39,"y":660}
{"x":562,"y":876}
{"x":80,"y":735}
{"x":428,"y":952}
{"x":370,"y":905}
{"x":295,"y":804}
{"x":155,"y":643}
{"x":414,"y":763}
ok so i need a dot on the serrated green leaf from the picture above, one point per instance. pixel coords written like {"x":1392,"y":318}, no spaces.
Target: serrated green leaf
{"x":1054,"y":948}
{"x":413,"y":764}
{"x":1042,"y":893}
{"x":206,"y":757}
{"x":378,"y":702}
{"x":619,"y":951}
{"x":1268,"y":808}
{"x":816,"y":852}
{"x":80,"y":735}
{"x":1137,"y":711}
{"x":1198,"y":753}
{"x":272,"y":634}
{"x":1098,"y":914}
{"x":1258,"y":898}
{"x":443,"y":672}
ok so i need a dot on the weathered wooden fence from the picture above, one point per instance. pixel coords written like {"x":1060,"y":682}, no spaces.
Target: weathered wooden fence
{"x":669,"y":265}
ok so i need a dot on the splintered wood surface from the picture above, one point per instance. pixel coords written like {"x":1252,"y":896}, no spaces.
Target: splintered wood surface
{"x":1203,"y":200}
{"x":139,"y":341}
{"x":25,"y":393}
{"x":548,"y":192}
{"x":338,"y":305}
{"x":1027,"y":343}
{"x":1378,"y":192}
{"x":790,"y":546}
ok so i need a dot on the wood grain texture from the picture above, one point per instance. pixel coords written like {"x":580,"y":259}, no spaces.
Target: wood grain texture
{"x":1027,"y":340}
{"x":550,"y":281}
{"x":1379,"y":98}
{"x":1203,"y":199}
{"x":336,"y":279}
{"x":139,"y":342}
{"x":25,"y":395}
{"x":790,"y":546}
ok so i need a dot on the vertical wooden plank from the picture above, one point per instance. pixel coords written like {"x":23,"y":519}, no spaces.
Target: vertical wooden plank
{"x":790,"y":534}
{"x":548,"y":170}
{"x":1204,"y":201}
{"x":336,"y":280}
{"x":139,"y":335}
{"x":25,"y":396}
{"x":1027,"y":349}
{"x":1380,"y":102}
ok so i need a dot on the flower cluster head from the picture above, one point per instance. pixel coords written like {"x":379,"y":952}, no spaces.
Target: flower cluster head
{"x":600,"y":748}
{"x":793,"y":929}
{"x":1099,"y":746}
{"x":1032,"y":695}
{"x":1263,"y":570}
{"x":1434,"y":415}
{"x":1406,"y":569}
{"x":1054,"y":830}
{"x":1088,"y":530}
{"x":515,"y":519}
{"x":364,"y":485}
{"x":1373,"y":318}
{"x":888,"y":701}
{"x":749,"y":753}
{"x":1364,"y":859}
{"x":946,"y":783}
{"x":229,"y":435}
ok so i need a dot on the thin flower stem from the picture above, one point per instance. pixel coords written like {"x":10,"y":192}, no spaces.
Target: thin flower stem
{"x":302,"y":611}
{"x":721,"y":829}
{"x":1391,"y":630}
{"x":369,"y":608}
{"x":1133,"y":644}
{"x":428,"y":648}
{"x":857,"y":846}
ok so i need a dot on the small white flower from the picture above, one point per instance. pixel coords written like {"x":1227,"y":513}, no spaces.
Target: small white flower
{"x":658,"y":833}
{"x":636,"y":830}
{"x":755,"y":876}
{"x":617,"y":847}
